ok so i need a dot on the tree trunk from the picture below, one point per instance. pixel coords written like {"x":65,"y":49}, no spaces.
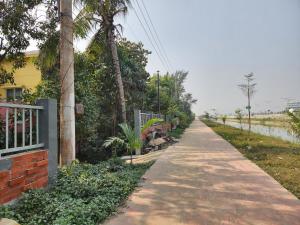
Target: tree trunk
{"x":67,"y":98}
{"x":116,"y":64}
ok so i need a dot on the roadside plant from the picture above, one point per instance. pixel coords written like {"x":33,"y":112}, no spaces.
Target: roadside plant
{"x":224,"y":118}
{"x":206,"y":115}
{"x":295,"y":122}
{"x":151,"y":122}
{"x":133,"y":141}
{"x":114,"y":143}
{"x":239,"y":117}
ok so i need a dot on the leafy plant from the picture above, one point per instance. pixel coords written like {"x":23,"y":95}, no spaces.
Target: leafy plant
{"x":239,"y":117}
{"x":114,"y":143}
{"x":151,"y":122}
{"x":224,"y":118}
{"x":84,"y":194}
{"x":133,"y":141}
{"x":295,"y":122}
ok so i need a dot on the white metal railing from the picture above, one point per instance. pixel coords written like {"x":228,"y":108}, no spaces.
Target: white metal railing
{"x":10,"y":145}
{"x":145,"y":117}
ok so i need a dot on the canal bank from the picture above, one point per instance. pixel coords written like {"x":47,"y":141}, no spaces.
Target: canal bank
{"x":279,"y":158}
{"x":269,"y":130}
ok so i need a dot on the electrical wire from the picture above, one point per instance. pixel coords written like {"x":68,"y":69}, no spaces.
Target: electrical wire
{"x":149,"y":38}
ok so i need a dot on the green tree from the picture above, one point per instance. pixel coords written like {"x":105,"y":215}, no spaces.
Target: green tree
{"x":295,"y":122}
{"x":96,"y":89}
{"x":18,"y":25}
{"x":224,"y":118}
{"x":239,"y":117}
{"x":102,"y":14}
{"x":174,"y":101}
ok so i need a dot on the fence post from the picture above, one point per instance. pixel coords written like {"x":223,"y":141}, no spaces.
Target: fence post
{"x":137,"y":126}
{"x":48,"y":134}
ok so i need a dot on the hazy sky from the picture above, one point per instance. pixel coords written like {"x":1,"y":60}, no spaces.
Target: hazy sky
{"x":218,"y":41}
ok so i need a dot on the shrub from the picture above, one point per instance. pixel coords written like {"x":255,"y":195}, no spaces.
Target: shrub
{"x":84,"y":194}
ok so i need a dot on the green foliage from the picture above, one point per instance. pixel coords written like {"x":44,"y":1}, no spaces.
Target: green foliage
{"x":239,"y":116}
{"x":224,"y":118}
{"x":133,"y":141}
{"x":95,"y":88}
{"x":295,"y":122}
{"x":281,"y":159}
{"x":206,"y":115}
{"x":151,"y":122}
{"x":114,"y":143}
{"x":174,"y":101}
{"x":84,"y":195}
{"x":177,"y":133}
{"x":19,"y":24}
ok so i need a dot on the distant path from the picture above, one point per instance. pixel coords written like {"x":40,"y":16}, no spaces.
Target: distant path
{"x":203,"y":180}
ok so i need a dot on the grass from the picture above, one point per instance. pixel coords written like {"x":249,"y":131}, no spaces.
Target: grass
{"x":280,"y":159}
{"x":85,"y":194}
{"x":265,"y":122}
{"x":177,"y":133}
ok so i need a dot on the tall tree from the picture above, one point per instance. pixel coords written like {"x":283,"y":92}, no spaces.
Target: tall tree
{"x":248,"y":89}
{"x":102,"y":14}
{"x":67,"y":95}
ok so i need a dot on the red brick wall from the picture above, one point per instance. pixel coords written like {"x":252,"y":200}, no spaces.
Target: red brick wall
{"x":27,"y":171}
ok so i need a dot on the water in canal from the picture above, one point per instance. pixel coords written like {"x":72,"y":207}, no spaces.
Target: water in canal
{"x":279,"y":132}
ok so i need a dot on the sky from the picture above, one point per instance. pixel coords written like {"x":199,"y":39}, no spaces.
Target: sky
{"x":219,"y":41}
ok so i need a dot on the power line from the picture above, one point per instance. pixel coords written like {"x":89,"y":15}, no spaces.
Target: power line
{"x":156,"y":34}
{"x":149,"y":38}
{"x":151,"y":33}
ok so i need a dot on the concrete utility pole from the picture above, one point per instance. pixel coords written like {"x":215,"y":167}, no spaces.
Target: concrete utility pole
{"x":67,"y":98}
{"x":158,"y":91}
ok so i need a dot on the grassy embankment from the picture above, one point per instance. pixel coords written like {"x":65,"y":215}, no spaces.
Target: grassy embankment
{"x":282,"y":121}
{"x":280,"y":159}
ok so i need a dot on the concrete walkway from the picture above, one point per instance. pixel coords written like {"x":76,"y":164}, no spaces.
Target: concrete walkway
{"x":203,"y":180}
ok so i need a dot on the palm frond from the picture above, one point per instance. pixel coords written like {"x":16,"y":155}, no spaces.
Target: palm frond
{"x":84,"y":22}
{"x":113,"y":141}
{"x":151,"y":122}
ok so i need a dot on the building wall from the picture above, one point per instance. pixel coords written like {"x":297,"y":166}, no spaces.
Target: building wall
{"x":22,"y":172}
{"x":26,"y":77}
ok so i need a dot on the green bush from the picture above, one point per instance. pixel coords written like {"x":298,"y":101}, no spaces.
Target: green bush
{"x":84,"y":194}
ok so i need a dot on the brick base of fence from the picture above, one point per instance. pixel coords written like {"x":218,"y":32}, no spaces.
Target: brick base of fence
{"x":22,"y":172}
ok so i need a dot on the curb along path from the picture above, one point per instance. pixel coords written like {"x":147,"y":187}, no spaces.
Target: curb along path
{"x":203,"y":180}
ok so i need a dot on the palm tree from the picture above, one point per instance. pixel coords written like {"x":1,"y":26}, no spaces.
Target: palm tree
{"x":100,"y":14}
{"x":133,"y":141}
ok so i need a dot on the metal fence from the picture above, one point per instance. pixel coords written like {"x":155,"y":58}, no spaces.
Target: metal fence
{"x":19,"y":128}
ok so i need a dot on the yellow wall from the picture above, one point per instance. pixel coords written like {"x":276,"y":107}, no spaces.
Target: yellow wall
{"x":26,"y":77}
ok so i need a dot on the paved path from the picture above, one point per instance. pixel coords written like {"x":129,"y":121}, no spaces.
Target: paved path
{"x":203,"y":180}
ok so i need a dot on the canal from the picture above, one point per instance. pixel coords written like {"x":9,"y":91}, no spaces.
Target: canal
{"x":278,"y":132}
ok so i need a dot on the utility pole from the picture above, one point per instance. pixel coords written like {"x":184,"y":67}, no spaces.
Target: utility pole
{"x":158,"y":91}
{"x":67,"y":98}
